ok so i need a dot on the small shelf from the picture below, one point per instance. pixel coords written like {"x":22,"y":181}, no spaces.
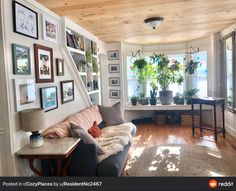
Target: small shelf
{"x":82,"y":74}
{"x":75,"y":50}
{"x":93,"y":92}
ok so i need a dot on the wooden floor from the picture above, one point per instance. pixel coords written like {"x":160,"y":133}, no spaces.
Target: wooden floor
{"x":150,"y":134}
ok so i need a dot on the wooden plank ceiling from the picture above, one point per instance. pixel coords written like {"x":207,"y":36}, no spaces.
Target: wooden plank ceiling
{"x":122,"y":20}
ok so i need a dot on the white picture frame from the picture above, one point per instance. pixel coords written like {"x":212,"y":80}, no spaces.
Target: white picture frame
{"x":114,"y":68}
{"x":113,"y":55}
{"x":50,"y":29}
{"x":114,"y":81}
{"x":114,"y":94}
{"x":25,"y":94}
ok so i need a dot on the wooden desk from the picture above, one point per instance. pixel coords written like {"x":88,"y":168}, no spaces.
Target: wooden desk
{"x":213,"y":102}
{"x":57,"y":148}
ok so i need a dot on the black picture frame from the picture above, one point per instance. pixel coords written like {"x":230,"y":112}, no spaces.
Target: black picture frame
{"x":48,"y":98}
{"x":25,"y":20}
{"x":67,"y":91}
{"x":21,"y":60}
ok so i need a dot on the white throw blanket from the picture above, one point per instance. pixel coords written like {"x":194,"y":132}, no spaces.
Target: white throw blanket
{"x":113,"y":139}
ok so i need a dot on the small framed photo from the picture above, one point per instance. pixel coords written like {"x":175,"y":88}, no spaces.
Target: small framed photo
{"x":114,"y":68}
{"x":114,"y":94}
{"x":21,"y":59}
{"x":67,"y":91}
{"x":113,"y":55}
{"x":25,"y":95}
{"x":114,"y":81}
{"x":25,"y":20}
{"x":50,"y":29}
{"x":60,"y":66}
{"x":48,"y":97}
{"x":43,"y":64}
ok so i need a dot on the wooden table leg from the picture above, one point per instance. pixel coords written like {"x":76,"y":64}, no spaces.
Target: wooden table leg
{"x":59,"y":167}
{"x":215,"y":122}
{"x":35,"y":170}
{"x":193,"y":130}
{"x":223,"y":119}
{"x":200,"y":118}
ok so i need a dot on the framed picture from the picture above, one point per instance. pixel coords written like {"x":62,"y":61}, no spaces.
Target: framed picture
{"x":60,"y":66}
{"x":21,"y":59}
{"x":48,"y":97}
{"x":114,"y":68}
{"x":25,"y":95}
{"x":25,"y":20}
{"x":114,"y":94}
{"x":50,"y":29}
{"x":43,"y":63}
{"x":114,"y":81}
{"x":113,"y":55}
{"x":67,"y":91}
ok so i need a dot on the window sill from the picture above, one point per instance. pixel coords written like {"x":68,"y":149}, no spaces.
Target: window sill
{"x":163,"y":107}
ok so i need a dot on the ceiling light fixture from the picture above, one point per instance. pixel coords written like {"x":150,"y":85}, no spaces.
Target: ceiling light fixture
{"x":154,"y":22}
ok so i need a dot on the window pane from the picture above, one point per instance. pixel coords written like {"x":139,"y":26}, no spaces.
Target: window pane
{"x":201,"y":77}
{"x":176,"y":88}
{"x":229,"y":74}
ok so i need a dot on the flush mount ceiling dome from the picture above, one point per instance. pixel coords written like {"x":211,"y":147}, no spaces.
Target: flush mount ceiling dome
{"x":154,"y":22}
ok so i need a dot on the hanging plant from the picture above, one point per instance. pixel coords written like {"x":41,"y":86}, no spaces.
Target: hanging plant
{"x":191,"y":67}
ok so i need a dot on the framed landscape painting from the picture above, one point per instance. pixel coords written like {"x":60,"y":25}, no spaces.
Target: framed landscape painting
{"x":25,"y":20}
{"x":43,"y":63}
{"x":67,"y":91}
{"x":25,"y":95}
{"x":48,"y":96}
{"x":50,"y":29}
{"x":21,"y":59}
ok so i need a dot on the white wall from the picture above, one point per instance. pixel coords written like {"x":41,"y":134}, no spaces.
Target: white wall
{"x":17,"y":137}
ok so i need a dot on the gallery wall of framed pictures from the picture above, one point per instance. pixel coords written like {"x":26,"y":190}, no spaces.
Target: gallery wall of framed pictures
{"x":29,"y":84}
{"x":114,"y":74}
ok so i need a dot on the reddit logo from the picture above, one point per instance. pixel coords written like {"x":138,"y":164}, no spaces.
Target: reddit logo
{"x":213,"y":183}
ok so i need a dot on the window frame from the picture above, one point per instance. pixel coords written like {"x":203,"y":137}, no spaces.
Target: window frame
{"x":224,"y":64}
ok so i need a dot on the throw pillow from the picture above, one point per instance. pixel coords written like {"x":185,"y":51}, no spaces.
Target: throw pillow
{"x":94,"y":130}
{"x":77,"y":131}
{"x":111,"y":115}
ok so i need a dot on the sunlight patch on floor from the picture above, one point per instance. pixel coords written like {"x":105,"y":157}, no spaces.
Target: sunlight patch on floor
{"x":134,"y":155}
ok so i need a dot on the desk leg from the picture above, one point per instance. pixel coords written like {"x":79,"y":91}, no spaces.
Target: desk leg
{"x":35,"y":170}
{"x":193,"y":127}
{"x":215,"y":123}
{"x":200,"y":118}
{"x":223,"y":119}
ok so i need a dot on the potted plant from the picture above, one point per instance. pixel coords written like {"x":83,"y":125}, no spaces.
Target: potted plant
{"x":188,"y":94}
{"x":153,"y":93}
{"x":191,"y":66}
{"x":178,"y":99}
{"x":133,"y":100}
{"x":166,"y":74}
{"x":95,"y":65}
{"x":143,"y":100}
{"x":143,"y":73}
